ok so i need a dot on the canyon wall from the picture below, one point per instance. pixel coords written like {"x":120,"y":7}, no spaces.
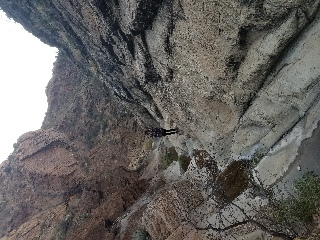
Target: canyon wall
{"x":240,"y":78}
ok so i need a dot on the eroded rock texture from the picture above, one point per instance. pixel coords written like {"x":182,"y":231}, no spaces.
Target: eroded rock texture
{"x":202,"y":63}
{"x":238,"y":77}
{"x":75,"y":168}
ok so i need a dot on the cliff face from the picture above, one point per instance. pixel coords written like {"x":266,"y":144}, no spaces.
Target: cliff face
{"x":200,"y":64}
{"x":240,"y":78}
{"x":77,"y":165}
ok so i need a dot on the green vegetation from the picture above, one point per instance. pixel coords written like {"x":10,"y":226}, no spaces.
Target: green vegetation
{"x":10,"y":157}
{"x":90,"y":135}
{"x":65,"y":225}
{"x":286,"y":218}
{"x":140,"y":234}
{"x":300,"y":207}
{"x":8,"y":169}
{"x":15,"y":145}
{"x":172,"y":155}
{"x":184,"y":162}
{"x":256,"y":158}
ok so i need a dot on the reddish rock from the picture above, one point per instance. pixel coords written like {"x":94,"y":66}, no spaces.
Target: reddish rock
{"x":74,"y":171}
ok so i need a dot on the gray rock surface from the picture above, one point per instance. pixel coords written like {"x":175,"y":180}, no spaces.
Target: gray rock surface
{"x":287,"y":109}
{"x":240,"y":78}
{"x":203,"y":64}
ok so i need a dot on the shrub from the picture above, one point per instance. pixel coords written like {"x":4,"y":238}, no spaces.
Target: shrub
{"x":140,"y":234}
{"x":256,"y":158}
{"x":10,"y":157}
{"x":8,"y":169}
{"x":184,"y":162}
{"x":171,"y":155}
{"x":65,"y":224}
{"x":300,"y":207}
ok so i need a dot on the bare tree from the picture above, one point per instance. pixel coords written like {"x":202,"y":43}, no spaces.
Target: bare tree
{"x":264,"y":217}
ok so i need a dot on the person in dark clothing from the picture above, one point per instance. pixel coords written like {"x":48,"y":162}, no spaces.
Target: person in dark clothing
{"x":160,"y":132}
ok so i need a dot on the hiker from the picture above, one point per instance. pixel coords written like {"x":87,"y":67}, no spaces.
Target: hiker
{"x":160,"y":132}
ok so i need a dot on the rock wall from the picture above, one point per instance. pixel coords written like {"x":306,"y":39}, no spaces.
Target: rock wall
{"x":76,"y":169}
{"x":203,"y":64}
{"x":240,"y":79}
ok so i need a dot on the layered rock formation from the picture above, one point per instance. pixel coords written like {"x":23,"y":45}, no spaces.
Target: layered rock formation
{"x":61,"y":175}
{"x":240,"y":78}
{"x":201,"y":64}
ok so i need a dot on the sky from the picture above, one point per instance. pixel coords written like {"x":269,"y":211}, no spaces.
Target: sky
{"x":25,"y":69}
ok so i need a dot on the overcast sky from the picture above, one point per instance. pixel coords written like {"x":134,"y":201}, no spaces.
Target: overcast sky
{"x":25,"y":69}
